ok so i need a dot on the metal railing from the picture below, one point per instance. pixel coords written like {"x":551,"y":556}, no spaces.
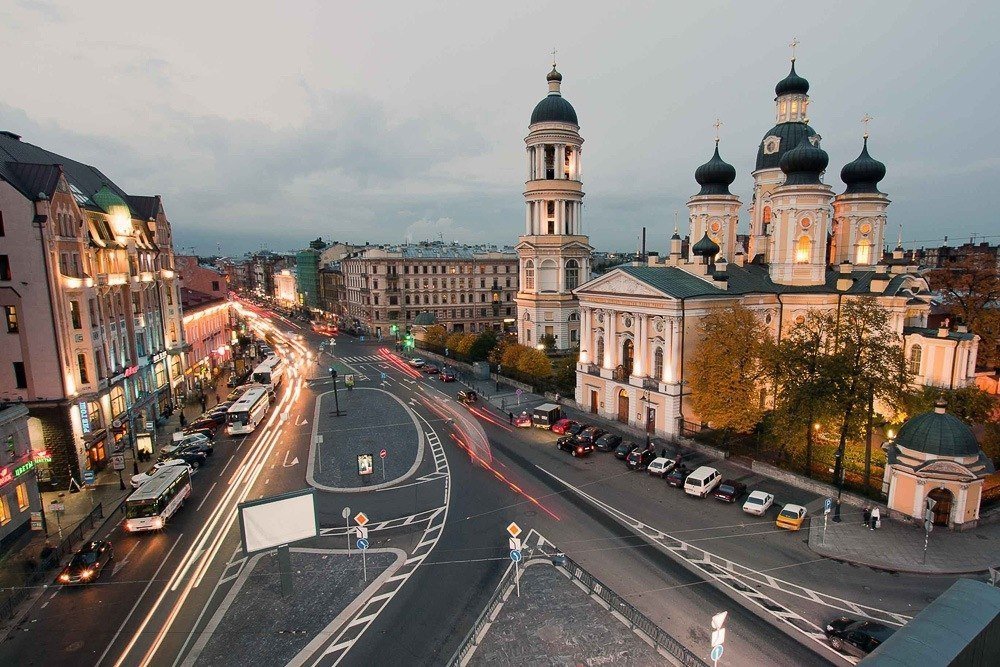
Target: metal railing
{"x":471,"y":641}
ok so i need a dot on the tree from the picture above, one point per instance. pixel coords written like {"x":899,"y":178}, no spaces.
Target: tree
{"x":803,"y":394}
{"x":867,"y":365}
{"x":971,"y":288}
{"x":512,"y":355}
{"x":454,"y":342}
{"x":727,"y":369}
{"x":483,"y":345}
{"x":564,"y":373}
{"x":970,"y":404}
{"x":548,"y":341}
{"x":436,"y":336}
{"x":534,"y":363}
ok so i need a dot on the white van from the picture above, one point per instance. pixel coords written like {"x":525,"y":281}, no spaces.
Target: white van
{"x":702,"y":481}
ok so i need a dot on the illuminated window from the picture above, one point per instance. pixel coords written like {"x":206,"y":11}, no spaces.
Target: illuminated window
{"x":864,"y":253}
{"x":795,"y":106}
{"x":22,"y":496}
{"x":803,"y":250}
{"x":4,"y":511}
{"x":74,"y":314}
{"x":915,"y":356}
{"x":784,"y":108}
{"x":529,"y":275}
{"x":81,"y":360}
{"x":10,"y":314}
{"x":117,"y":400}
{"x":658,"y":363}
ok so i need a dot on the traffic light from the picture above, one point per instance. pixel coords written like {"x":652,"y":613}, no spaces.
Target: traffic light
{"x":333,"y":373}
{"x":393,"y":329}
{"x":408,"y":342}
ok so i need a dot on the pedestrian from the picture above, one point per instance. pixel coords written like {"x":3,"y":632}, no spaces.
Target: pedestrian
{"x":511,"y":416}
{"x":204,"y":402}
{"x":876,"y":519}
{"x":663,"y":452}
{"x":866,"y":514}
{"x":183,"y":419}
{"x":218,"y":397}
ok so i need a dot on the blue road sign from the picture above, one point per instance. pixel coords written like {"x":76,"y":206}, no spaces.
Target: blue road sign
{"x":716,"y":653}
{"x":384,"y":376}
{"x":515,"y":555}
{"x":827,"y":505}
{"x":362,"y":338}
{"x":362,"y":544}
{"x":88,"y":476}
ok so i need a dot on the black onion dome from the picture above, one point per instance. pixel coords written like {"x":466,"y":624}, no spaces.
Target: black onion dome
{"x":715,"y":176}
{"x":863,"y":174}
{"x":792,"y":84}
{"x":804,"y":163}
{"x":554,"y":75}
{"x":706,"y":247}
{"x":789,"y":136}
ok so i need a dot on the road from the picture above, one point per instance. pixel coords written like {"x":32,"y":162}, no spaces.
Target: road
{"x":476,"y":475}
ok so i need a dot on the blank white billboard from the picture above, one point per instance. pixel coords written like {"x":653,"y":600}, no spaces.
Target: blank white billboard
{"x":271,"y":522}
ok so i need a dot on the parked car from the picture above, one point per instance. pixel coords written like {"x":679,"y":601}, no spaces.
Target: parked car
{"x":639,"y":458}
{"x":590,"y":434}
{"x":430,"y":369}
{"x":446,"y":376}
{"x":575,"y":429}
{"x":186,"y":439}
{"x":416,"y":362}
{"x":138,"y":480}
{"x":677,"y":476}
{"x":560,"y":426}
{"x":202,"y":422}
{"x":205,"y":448}
{"x":192,"y":458}
{"x":565,"y":443}
{"x":88,"y":563}
{"x":758,"y":502}
{"x":623,"y":449}
{"x":729,"y":491}
{"x":608,"y":442}
{"x":791,"y":517}
{"x":467,"y":397}
{"x":522,"y":420}
{"x":660,"y":466}
{"x":207,"y":433}
{"x":856,"y":637}
{"x":702,"y":481}
{"x":568,"y":443}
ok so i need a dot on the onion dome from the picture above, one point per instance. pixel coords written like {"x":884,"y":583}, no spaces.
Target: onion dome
{"x":792,"y":84}
{"x":789,"y":135}
{"x":939,"y":434}
{"x":863,"y":174}
{"x":706,"y":247}
{"x":804,"y":164}
{"x":715,"y":176}
{"x":554,"y":108}
{"x":677,"y":235}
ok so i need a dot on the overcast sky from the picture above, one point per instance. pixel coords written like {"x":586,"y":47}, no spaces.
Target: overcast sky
{"x":267,"y":124}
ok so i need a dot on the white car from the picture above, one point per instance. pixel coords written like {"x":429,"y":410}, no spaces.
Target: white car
{"x":758,"y":503}
{"x":143,"y":477}
{"x":417,"y":362}
{"x":184,"y":440}
{"x":660,"y":466}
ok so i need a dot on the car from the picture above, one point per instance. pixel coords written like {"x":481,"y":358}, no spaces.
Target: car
{"x":201,"y":423}
{"x":729,"y":491}
{"x":87,"y":564}
{"x":416,"y":362}
{"x":430,"y":369}
{"x":661,"y":466}
{"x":758,"y":502}
{"x":702,"y":481}
{"x":192,"y":458}
{"x":623,"y":449}
{"x":791,"y":517}
{"x":208,"y":434}
{"x":469,"y":397}
{"x":185,"y":439}
{"x":856,"y":637}
{"x":640,"y":458}
{"x":193,"y":445}
{"x":446,"y":376}
{"x":678,"y":475}
{"x":589,"y":434}
{"x":560,"y":426}
{"x":218,"y":417}
{"x":608,"y":442}
{"x":205,"y":448}
{"x":522,"y":420}
{"x":575,"y":429}
{"x":138,"y":480}
{"x":568,"y":443}
{"x":565,"y":443}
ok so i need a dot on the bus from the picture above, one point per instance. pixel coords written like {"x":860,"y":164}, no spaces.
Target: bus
{"x":270,"y":372}
{"x":149,"y":507}
{"x":248,"y":411}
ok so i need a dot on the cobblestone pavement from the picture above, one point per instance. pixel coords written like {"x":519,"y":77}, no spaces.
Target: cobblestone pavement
{"x":555,"y":622}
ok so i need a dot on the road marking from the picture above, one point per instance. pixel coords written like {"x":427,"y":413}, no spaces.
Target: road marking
{"x":227,"y":464}
{"x":206,"y":496}
{"x":121,"y":563}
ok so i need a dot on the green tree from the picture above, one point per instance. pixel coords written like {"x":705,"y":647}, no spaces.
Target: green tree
{"x":970,"y":404}
{"x":971,"y":289}
{"x":564,"y":373}
{"x":728,"y":368}
{"x":436,"y":336}
{"x":483,"y":345}
{"x":548,"y":341}
{"x":512,"y":355}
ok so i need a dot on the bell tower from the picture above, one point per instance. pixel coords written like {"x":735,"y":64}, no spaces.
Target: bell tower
{"x":553,"y":252}
{"x":714,"y":210}
{"x":859,"y":212}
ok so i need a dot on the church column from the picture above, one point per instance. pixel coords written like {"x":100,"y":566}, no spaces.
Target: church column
{"x":675,"y":351}
{"x":668,"y":342}
{"x":610,"y":338}
{"x":531,"y":163}
{"x":527,"y":218}
{"x":640,"y":368}
{"x":586,"y":340}
{"x":560,"y":160}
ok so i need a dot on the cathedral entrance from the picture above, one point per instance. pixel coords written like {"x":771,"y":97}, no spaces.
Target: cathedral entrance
{"x":942,"y":511}
{"x":623,"y":406}
{"x":593,"y":402}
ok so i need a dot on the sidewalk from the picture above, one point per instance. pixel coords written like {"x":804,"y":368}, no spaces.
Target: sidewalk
{"x":899,"y":547}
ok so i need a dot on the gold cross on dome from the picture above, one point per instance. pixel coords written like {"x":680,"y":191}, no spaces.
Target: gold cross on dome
{"x":717,"y":124}
{"x":864,"y":123}
{"x":553,"y":56}
{"x":795,"y":42}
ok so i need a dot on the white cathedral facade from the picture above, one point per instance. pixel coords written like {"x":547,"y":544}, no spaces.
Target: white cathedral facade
{"x":810,"y":248}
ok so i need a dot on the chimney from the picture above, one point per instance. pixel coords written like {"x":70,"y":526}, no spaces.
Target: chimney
{"x":942,"y":332}
{"x":962,"y":328}
{"x":844,"y":278}
{"x":739,"y":259}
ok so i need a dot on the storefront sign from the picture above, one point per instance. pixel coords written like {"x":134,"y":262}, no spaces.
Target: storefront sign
{"x":84,"y":417}
{"x":144,"y":443}
{"x":130,"y":371}
{"x":36,"y":521}
{"x":118,"y":461}
{"x":159,"y":356}
{"x":23,"y":468}
{"x":42,"y":456}
{"x":6,"y":475}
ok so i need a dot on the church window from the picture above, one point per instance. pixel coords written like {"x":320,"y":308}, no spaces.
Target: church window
{"x":771,"y":145}
{"x":551,"y":216}
{"x":600,"y":350}
{"x":550,"y":162}
{"x":803,"y":250}
{"x":795,"y":106}
{"x":658,"y":363}
{"x":864,"y":254}
{"x":628,"y":350}
{"x":784,"y":108}
{"x":767,"y":215}
{"x":566,"y":162}
{"x":529,"y":275}
{"x":572,"y":274}
{"x":915,"y":357}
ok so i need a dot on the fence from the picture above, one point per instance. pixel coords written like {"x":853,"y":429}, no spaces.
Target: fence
{"x":471,"y":640}
{"x":42,"y":570}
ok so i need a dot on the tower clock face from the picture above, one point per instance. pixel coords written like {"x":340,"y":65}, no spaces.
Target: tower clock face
{"x":865,"y":229}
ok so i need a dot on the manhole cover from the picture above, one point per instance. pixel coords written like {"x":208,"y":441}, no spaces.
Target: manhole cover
{"x":75,"y":646}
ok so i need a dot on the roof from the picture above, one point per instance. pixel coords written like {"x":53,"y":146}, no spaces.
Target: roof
{"x":933,"y":333}
{"x":554,"y":108}
{"x":672,"y":280}
{"x":939,"y":434}
{"x":941,"y":632}
{"x":790,"y":135}
{"x":193,"y":299}
{"x":792,"y":84}
{"x":32,"y":179}
{"x":425,"y":318}
{"x":438,"y":250}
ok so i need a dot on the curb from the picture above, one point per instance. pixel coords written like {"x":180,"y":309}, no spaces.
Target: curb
{"x":883,"y":567}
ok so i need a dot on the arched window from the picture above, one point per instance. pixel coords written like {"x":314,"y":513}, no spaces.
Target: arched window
{"x":548,"y":276}
{"x":628,"y":350}
{"x":915,"y":356}
{"x":803,"y":250}
{"x":599,"y":357}
{"x":658,"y":363}
{"x":864,"y":253}
{"x":529,"y":275}
{"x":572,"y":274}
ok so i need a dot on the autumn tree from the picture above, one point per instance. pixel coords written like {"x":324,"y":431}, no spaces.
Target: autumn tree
{"x":971,"y":289}
{"x":534,"y":363}
{"x":436,"y":336}
{"x":483,"y":345}
{"x":727,"y":369}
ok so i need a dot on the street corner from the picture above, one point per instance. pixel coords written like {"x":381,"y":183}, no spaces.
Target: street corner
{"x":363,"y":439}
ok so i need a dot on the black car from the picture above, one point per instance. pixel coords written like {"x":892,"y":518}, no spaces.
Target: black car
{"x":207,"y":432}
{"x":575,"y":428}
{"x":468,"y":397}
{"x":205,"y":448}
{"x":87,"y":564}
{"x":639,"y":459}
{"x":202,"y":422}
{"x":729,"y":491}
{"x":624,"y":449}
{"x":565,"y":443}
{"x":589,"y":435}
{"x":608,"y":442}
{"x":446,"y":376}
{"x":192,"y":458}
{"x":856,"y":637}
{"x":678,"y":475}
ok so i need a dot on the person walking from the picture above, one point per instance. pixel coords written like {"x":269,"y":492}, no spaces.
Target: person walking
{"x":204,"y":402}
{"x":866,"y":514}
{"x":183,"y":419}
{"x":511,"y":416}
{"x":875,"y":519}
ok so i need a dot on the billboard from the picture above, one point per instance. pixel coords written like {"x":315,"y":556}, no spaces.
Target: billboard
{"x":270,"y":522}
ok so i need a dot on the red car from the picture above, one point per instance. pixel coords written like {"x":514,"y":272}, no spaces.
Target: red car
{"x":522,"y":420}
{"x":560,"y":426}
{"x":446,"y":376}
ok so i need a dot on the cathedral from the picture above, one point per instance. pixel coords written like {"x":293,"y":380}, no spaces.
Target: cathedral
{"x":810,"y":247}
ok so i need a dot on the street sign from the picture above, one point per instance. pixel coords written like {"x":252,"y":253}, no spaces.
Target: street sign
{"x":361,"y":518}
{"x":716,"y":653}
{"x":515,"y":555}
{"x":36,"y":520}
{"x":149,"y":426}
{"x":519,"y":392}
{"x":364,"y":464}
{"x":929,"y":505}
{"x":384,"y":376}
{"x":56,"y":506}
{"x":382,"y":454}
{"x":118,"y":462}
{"x":362,"y":544}
{"x":718,"y":636}
{"x":88,"y":476}
{"x":928,"y":526}
{"x":827,"y":505}
{"x":513,"y":529}
{"x":362,"y":532}
{"x":117,"y":423}
{"x":719,"y":620}
{"x":346,"y":513}
{"x":514,"y":543}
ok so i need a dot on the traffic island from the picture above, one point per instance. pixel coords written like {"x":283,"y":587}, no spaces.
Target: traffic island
{"x":255,"y":625}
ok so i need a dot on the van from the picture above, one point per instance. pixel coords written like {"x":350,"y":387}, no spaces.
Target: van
{"x":702,"y":481}
{"x":544,"y":416}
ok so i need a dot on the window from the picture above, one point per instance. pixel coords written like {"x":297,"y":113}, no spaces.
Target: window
{"x":10,"y":315}
{"x":795,"y":106}
{"x":2,"y":232}
{"x":916,"y":353}
{"x":20,"y":377}
{"x":572,"y":274}
{"x":803,"y":250}
{"x":74,"y":314}
{"x":4,"y":511}
{"x":864,"y":253}
{"x":117,"y":400}
{"x":529,"y":275}
{"x":599,"y":356}
{"x":22,"y":496}
{"x":92,"y":307}
{"x":215,"y":285}
{"x":81,"y":359}
{"x":658,"y":363}
{"x":4,"y":267}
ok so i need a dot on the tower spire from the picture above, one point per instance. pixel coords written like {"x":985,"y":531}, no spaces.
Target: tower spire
{"x":794,"y":43}
{"x":864,"y":124}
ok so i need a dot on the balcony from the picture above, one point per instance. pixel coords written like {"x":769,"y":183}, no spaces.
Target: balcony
{"x":111,"y":279}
